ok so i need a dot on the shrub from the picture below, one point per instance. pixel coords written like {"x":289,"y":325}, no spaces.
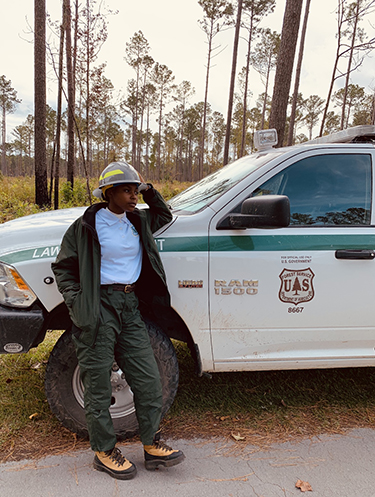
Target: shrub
{"x":18,"y":195}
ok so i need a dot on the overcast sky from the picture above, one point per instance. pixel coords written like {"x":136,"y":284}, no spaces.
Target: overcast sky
{"x":176,"y":40}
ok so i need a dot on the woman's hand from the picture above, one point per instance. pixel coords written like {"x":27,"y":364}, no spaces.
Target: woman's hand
{"x":143,"y":186}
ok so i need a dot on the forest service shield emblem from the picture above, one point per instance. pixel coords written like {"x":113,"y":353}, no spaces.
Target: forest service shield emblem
{"x":296,"y":286}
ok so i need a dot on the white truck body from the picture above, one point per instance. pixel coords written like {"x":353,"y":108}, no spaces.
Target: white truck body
{"x":293,"y":297}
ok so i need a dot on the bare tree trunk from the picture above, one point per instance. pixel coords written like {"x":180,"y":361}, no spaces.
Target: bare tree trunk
{"x":180,"y":164}
{"x":244,"y":111}
{"x":340,"y":20}
{"x":147,"y":172}
{"x":298,"y":75}
{"x":232,"y":83}
{"x":265,"y":94}
{"x":88,"y":155}
{"x":71,"y":103}
{"x":140,"y":138}
{"x":40,"y":156}
{"x":135,"y":127}
{"x":76,"y":166}
{"x":347,"y":79}
{"x":190,"y":162}
{"x":160,"y":162}
{"x":3,"y":140}
{"x":284,"y":67}
{"x":201,"y":152}
{"x":328,"y":99}
{"x":58,"y":116}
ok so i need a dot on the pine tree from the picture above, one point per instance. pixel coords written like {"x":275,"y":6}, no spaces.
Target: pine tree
{"x":351,"y":44}
{"x":232,"y":81}
{"x":8,"y":101}
{"x":162,"y":78}
{"x":264,"y":61}
{"x":284,"y":67}
{"x":71,"y":96}
{"x":253,"y":13}
{"x":216,"y":15}
{"x":40,"y":157}
{"x":314,"y":107}
{"x":137,"y":56}
{"x":296,"y":286}
{"x":293,"y":111}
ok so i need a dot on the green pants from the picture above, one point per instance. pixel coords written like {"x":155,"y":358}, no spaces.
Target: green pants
{"x":122,"y":336}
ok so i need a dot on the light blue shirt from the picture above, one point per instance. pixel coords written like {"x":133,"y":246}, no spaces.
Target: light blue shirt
{"x":121,"y":251}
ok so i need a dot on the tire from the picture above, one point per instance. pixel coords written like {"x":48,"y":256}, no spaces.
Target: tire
{"x":64,"y":389}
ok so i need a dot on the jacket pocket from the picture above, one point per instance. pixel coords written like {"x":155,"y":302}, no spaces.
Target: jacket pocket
{"x":78,"y":310}
{"x":70,"y":297}
{"x":76,"y":332}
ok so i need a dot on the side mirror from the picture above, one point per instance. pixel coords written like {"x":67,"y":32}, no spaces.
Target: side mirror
{"x":264,"y":211}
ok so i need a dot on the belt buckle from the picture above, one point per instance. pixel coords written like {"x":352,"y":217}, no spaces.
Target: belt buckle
{"x":128,"y":288}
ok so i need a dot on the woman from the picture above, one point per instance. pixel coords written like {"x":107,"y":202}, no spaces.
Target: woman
{"x":107,"y":258}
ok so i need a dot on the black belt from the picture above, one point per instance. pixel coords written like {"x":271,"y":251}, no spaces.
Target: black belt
{"x":120,"y":288}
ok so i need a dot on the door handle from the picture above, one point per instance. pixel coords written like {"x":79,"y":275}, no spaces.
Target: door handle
{"x":355,"y":254}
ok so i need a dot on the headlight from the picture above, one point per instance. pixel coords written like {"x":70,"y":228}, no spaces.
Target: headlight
{"x":14,"y":292}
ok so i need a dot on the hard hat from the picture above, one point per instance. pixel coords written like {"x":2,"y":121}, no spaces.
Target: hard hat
{"x":116,"y":173}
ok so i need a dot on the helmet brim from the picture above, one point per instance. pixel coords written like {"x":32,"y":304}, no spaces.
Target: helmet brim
{"x":98,"y":193}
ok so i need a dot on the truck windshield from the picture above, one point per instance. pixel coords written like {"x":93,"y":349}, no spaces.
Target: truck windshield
{"x":207,"y":190}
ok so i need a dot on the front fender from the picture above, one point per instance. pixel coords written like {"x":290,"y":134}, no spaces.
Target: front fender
{"x":20,"y":328}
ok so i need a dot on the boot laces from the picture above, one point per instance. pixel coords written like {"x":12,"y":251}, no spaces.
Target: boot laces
{"x":117,"y":457}
{"x":162,"y":446}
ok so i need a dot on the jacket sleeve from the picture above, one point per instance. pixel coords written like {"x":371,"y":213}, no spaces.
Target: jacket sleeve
{"x":66,"y":267}
{"x":158,"y":213}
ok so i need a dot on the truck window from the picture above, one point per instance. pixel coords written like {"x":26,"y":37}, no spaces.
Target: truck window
{"x":332,"y":189}
{"x":206,"y":191}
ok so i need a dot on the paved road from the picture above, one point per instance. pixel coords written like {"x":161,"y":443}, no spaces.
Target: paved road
{"x":342,"y":466}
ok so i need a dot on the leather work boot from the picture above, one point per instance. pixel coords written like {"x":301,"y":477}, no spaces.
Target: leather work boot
{"x":159,"y":454}
{"x":115,"y":464}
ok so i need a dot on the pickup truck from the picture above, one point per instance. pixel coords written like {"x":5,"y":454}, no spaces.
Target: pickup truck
{"x":268,"y":262}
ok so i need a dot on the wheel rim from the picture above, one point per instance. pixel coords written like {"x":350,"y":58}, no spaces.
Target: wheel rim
{"x":122,"y":403}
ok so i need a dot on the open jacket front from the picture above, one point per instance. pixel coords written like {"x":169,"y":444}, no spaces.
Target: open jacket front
{"x":77,"y":266}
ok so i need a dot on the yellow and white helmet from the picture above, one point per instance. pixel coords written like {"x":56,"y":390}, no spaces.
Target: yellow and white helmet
{"x":116,"y":173}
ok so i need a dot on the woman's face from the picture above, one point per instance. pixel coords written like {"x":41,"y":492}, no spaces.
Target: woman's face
{"x":122,"y":198}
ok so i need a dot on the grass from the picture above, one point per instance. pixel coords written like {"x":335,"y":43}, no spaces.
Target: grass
{"x":23,"y":401}
{"x":18,"y":195}
{"x":272,"y":405}
{"x":260,"y":407}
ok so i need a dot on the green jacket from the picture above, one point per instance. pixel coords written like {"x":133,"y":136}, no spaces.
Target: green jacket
{"x":77,"y":266}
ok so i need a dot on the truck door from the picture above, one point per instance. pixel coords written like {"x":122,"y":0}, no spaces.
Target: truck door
{"x":300,"y":296}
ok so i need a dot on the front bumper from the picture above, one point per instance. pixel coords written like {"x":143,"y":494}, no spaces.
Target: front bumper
{"x":20,"y":329}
